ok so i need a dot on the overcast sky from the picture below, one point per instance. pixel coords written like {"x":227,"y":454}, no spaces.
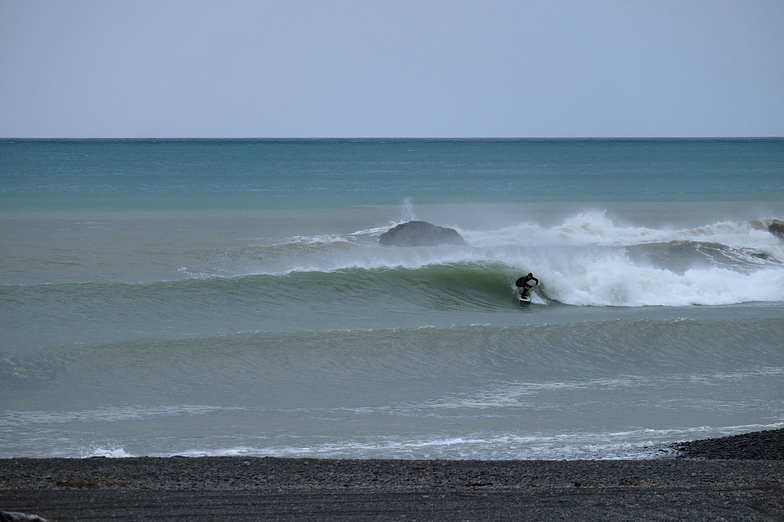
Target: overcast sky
{"x":391,"y":68}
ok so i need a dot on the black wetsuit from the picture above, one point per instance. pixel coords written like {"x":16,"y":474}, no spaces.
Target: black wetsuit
{"x":524,"y":282}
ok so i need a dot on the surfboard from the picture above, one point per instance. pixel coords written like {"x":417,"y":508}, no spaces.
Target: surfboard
{"x":520,"y":283}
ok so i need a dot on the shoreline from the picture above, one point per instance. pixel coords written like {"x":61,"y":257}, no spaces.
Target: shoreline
{"x":738,"y":478}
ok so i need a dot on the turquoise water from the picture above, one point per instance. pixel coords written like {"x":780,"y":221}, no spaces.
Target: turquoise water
{"x":325,"y":173}
{"x":231,"y":297}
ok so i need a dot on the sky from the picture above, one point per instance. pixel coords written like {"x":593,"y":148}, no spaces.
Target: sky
{"x":391,"y":68}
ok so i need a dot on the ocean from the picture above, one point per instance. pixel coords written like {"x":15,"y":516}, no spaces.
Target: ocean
{"x":230,"y":297}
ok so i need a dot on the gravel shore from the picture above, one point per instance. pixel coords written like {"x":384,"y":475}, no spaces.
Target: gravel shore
{"x":734,"y":478}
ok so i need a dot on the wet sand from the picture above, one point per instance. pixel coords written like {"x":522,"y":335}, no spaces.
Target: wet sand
{"x":735,"y":478}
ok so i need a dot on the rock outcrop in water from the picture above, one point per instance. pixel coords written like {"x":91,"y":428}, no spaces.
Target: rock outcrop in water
{"x":420,"y":233}
{"x":776,"y":228}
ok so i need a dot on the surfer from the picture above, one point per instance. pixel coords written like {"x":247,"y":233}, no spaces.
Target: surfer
{"x":525,"y":283}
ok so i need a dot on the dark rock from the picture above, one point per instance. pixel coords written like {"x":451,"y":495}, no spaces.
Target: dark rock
{"x":758,"y":445}
{"x":420,"y":233}
{"x":776,"y":227}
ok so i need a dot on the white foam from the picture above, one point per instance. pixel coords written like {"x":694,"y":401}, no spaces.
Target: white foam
{"x":612,"y":280}
{"x":112,"y":453}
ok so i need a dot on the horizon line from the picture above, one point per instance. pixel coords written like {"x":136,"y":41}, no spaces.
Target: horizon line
{"x":395,"y":138}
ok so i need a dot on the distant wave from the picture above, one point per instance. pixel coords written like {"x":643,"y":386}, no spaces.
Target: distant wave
{"x":596,"y":228}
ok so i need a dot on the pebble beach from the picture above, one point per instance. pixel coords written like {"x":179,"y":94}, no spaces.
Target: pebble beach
{"x":732,"y":478}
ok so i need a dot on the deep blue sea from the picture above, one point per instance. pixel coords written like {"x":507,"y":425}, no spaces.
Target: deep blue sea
{"x":230,"y":297}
